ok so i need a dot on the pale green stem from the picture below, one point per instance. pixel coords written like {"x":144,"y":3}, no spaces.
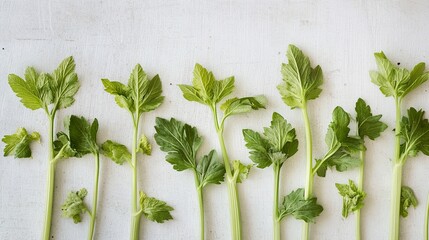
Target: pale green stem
{"x":234,"y":202}
{"x":50,"y":180}
{"x":276,"y":220}
{"x":200,"y":203}
{"x":225,"y":156}
{"x":360,"y":187}
{"x":361,"y":170}
{"x":396,"y":178}
{"x":309,"y":168}
{"x":95,"y":198}
{"x":219,"y":131}
{"x":135,"y":226}
{"x":135,"y":216}
{"x":426,"y":220}
{"x":396,"y":200}
{"x":398,"y":129}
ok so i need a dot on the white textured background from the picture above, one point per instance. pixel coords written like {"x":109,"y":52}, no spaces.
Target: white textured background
{"x":247,"y":39}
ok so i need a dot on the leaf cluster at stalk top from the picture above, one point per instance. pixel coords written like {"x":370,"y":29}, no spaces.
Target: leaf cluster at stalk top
{"x":207,"y":90}
{"x":343,"y":149}
{"x":139,"y":95}
{"x":181,"y":142}
{"x":274,"y":146}
{"x":40,"y":90}
{"x":301,"y":81}
{"x":395,"y":81}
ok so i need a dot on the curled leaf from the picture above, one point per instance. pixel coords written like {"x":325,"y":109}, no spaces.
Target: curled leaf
{"x":408,"y":199}
{"x":18,"y":143}
{"x":144,"y":146}
{"x":235,"y":106}
{"x":240,"y":171}
{"x":154,"y":209}
{"x":74,"y":206}
{"x":62,"y":148}
{"x":352,"y":197}
{"x":116,"y":151}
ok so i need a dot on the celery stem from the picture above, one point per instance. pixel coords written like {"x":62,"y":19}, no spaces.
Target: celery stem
{"x":396,"y":200}
{"x":200,"y":204}
{"x":309,"y":168}
{"x":360,"y":187}
{"x":135,"y":217}
{"x":276,"y":220}
{"x":234,"y":203}
{"x":95,"y":199}
{"x":50,"y":180}
{"x":234,"y":210}
{"x":396,"y":177}
{"x":426,"y":220}
{"x":219,"y":130}
{"x":135,"y":226}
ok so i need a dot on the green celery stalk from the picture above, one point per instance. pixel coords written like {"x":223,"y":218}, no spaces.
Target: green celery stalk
{"x":205,"y":89}
{"x":50,"y":92}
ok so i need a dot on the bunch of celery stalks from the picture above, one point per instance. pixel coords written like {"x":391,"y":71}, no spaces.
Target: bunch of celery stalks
{"x":272,"y":146}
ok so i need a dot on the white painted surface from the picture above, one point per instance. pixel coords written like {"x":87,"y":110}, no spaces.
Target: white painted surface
{"x":247,"y":39}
